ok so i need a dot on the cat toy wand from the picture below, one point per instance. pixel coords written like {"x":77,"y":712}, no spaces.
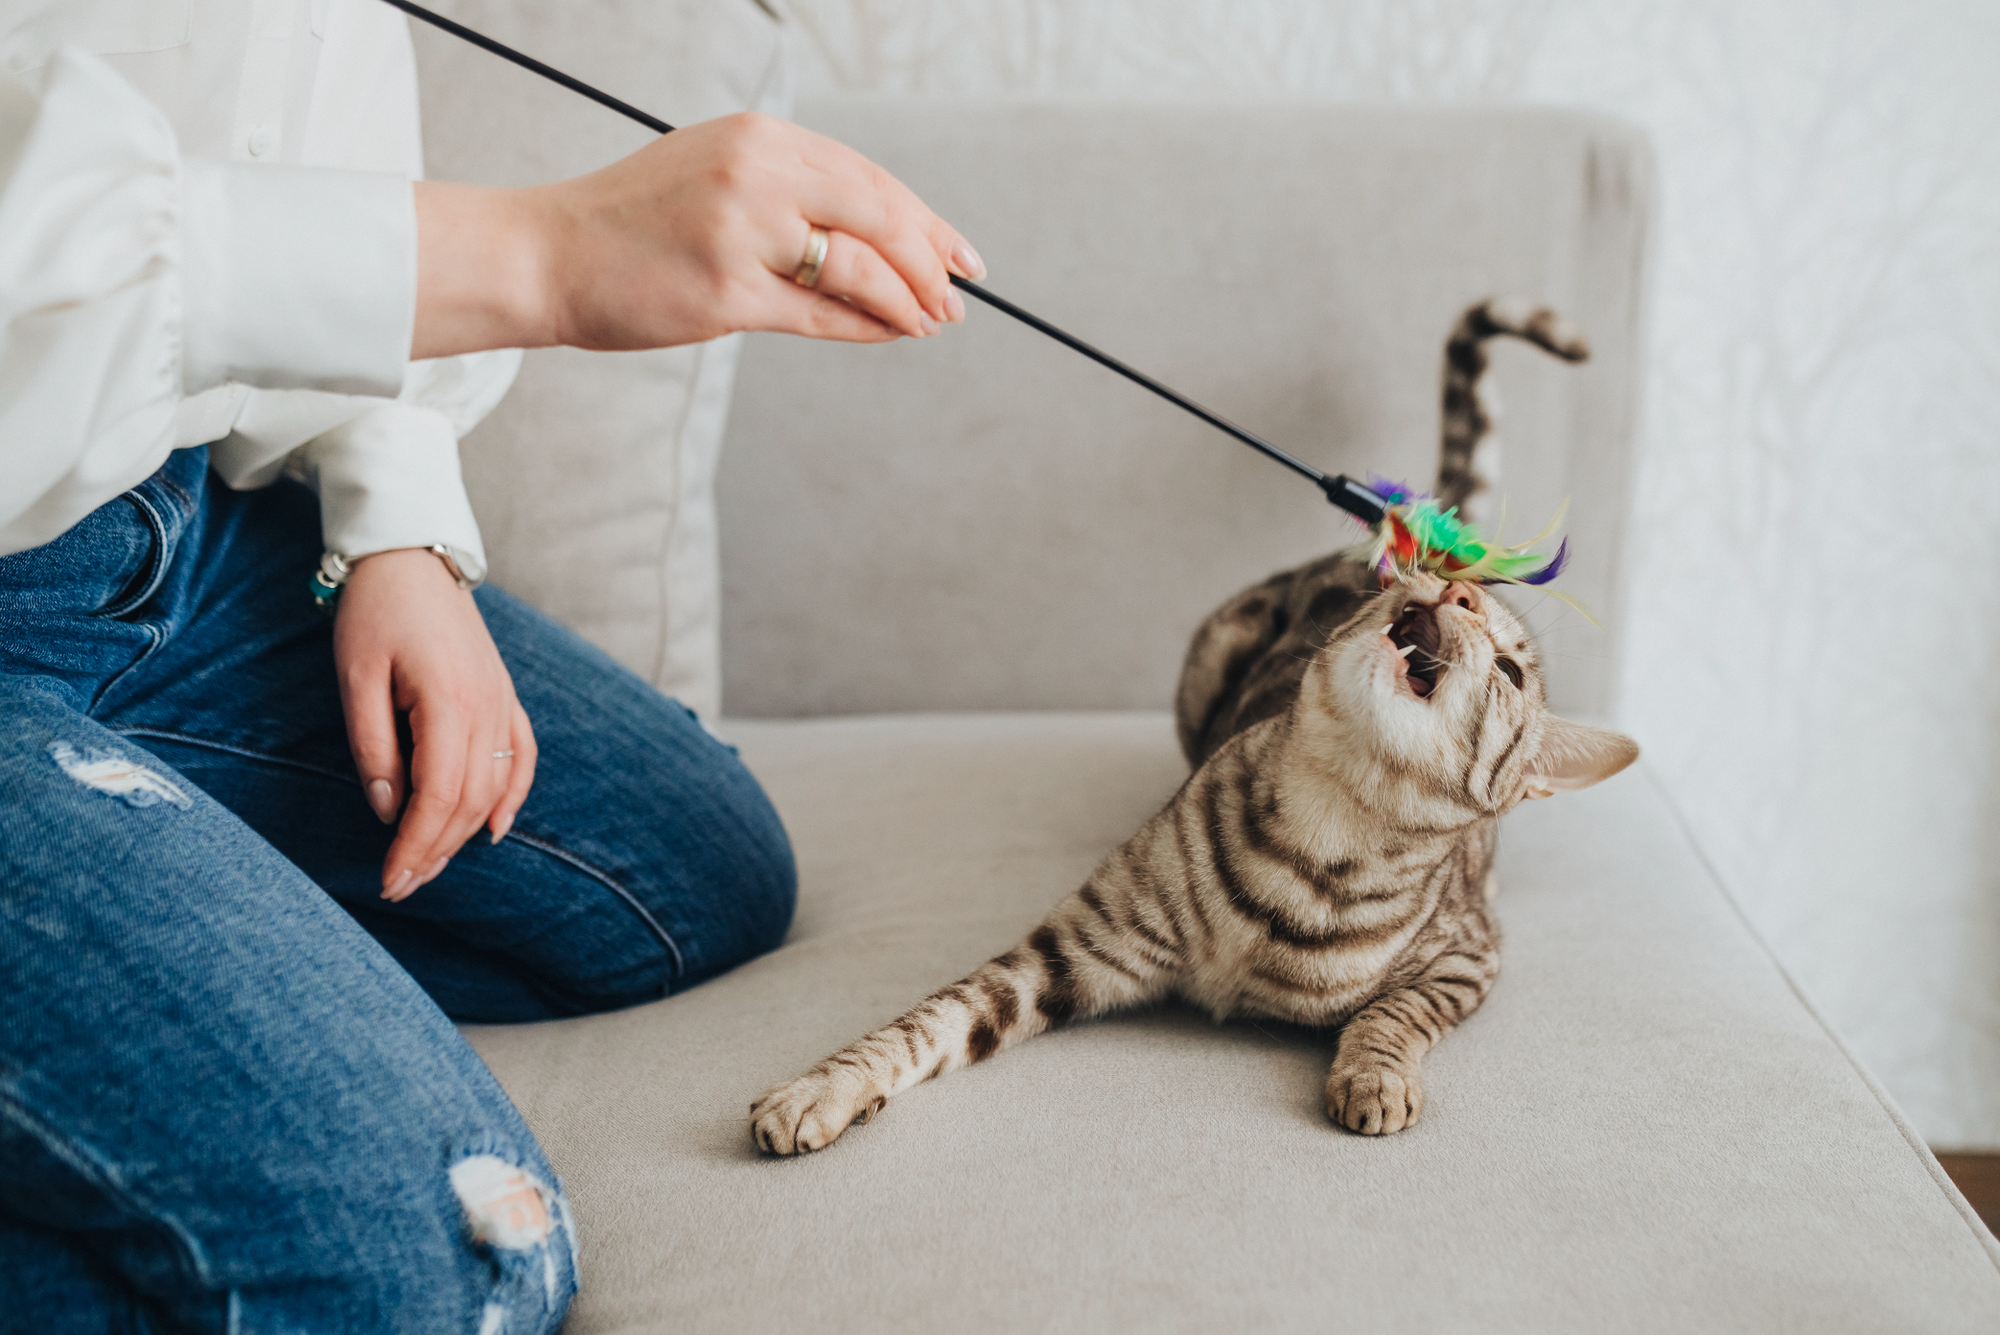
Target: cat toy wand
{"x":1411,"y":531}
{"x":1358,"y":500}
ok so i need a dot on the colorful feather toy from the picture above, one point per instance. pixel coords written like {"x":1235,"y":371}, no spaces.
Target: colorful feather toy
{"x":1414,"y":534}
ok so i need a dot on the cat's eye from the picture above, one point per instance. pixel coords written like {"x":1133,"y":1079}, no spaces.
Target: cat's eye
{"x":1511,"y":668}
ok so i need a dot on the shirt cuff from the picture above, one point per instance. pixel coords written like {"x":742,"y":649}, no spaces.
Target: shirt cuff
{"x":389,"y":479}
{"x":296,"y":278}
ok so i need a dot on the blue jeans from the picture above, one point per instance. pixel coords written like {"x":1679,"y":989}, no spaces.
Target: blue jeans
{"x":231,"y":1096}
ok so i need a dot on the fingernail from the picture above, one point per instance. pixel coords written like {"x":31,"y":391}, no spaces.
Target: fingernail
{"x":928,"y":325}
{"x":954,"y":305}
{"x":396,"y":886}
{"x":967,"y":260}
{"x":382,"y":799}
{"x":505,"y":826}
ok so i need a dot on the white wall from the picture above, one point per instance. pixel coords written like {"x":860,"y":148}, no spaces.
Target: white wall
{"x":1814,"y":654}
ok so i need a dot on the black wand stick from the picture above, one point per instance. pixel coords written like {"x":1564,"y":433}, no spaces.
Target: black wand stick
{"x":1349,"y":495}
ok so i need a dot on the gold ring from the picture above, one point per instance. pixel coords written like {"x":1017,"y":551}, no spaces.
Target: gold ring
{"x":807,"y":274}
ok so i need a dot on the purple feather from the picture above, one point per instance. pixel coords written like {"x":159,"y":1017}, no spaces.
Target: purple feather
{"x":1552,"y":569}
{"x":1395,"y":493}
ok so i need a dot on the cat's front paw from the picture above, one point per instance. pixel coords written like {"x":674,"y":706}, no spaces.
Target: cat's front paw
{"x":810,"y":1112}
{"x":1374,"y":1100}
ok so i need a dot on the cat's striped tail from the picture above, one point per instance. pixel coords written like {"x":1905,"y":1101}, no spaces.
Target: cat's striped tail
{"x":1466,"y":471}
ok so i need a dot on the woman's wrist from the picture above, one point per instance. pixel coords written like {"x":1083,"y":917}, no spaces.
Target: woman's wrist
{"x":483,"y":269}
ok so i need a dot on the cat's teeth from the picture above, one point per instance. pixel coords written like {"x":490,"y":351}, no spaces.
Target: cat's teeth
{"x":1406,"y":651}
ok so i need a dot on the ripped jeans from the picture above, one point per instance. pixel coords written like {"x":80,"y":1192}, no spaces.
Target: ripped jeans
{"x":231,"y":1095}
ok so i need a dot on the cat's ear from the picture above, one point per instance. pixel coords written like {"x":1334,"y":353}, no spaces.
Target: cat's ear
{"x":1576,"y":755}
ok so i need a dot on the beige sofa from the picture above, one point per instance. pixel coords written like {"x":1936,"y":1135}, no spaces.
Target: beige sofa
{"x":956,"y":580}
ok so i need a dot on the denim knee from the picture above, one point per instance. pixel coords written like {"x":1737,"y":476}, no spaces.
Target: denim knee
{"x":709,"y":870}
{"x":511,"y":1214}
{"x":765,"y":875}
{"x":751,"y":879}
{"x":479,"y":1240}
{"x":726,"y":900}
{"x":220,"y":1102}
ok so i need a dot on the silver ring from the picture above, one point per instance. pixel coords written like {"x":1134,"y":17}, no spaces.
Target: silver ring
{"x":502,"y":755}
{"x":807,"y":274}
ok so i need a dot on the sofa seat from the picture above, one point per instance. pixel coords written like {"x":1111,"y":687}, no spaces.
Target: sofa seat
{"x":1645,"y":1128}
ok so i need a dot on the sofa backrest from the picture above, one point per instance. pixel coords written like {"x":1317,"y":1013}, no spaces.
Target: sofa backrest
{"x":988,"y":521}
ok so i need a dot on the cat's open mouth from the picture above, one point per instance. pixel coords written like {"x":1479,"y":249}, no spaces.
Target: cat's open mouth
{"x":1415,"y":635}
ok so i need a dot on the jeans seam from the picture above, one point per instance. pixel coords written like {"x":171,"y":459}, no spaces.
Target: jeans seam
{"x":83,"y":1160}
{"x":616,"y":887}
{"x":156,"y":561}
{"x":161,"y":734}
{"x":555,"y":851}
{"x":188,"y":500}
{"x":155,"y":637}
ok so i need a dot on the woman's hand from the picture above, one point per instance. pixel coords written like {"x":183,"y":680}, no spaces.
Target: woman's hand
{"x":694,"y":236}
{"x":409,"y":641}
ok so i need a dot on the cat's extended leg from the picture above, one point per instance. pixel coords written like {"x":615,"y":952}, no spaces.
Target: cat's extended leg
{"x":1092,"y":954}
{"x":1376,"y":1085}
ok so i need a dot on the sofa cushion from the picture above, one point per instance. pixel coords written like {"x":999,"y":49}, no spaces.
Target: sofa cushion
{"x":1644,"y":1129}
{"x":593,"y":480}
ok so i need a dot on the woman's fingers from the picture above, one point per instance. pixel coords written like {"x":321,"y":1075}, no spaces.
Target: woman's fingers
{"x":368,"y":701}
{"x":520,"y":777}
{"x":791,"y":309}
{"x":437,"y":782}
{"x":484,"y":773}
{"x":456,"y":782}
{"x":858,"y":275}
{"x":876,"y":222}
{"x":487,"y":769}
{"x":904,"y":229}
{"x":462,"y":778}
{"x":409,"y":642}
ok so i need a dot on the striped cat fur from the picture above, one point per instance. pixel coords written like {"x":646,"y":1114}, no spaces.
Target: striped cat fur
{"x":1469,"y":454}
{"x":1329,"y":861}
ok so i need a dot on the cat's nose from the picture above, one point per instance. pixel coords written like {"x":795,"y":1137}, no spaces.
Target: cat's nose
{"x":1457,"y":593}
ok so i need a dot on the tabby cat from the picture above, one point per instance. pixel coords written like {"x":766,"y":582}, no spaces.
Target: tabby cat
{"x":1355,"y":738}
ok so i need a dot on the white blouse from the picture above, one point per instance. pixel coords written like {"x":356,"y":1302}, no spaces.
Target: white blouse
{"x":207,"y":236}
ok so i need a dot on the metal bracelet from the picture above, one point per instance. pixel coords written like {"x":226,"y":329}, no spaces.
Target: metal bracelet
{"x":443,"y":554}
{"x":326,"y":581}
{"x":335,"y":569}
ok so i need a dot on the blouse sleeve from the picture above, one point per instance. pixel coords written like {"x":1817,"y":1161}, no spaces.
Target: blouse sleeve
{"x":387,"y":473}
{"x":132,"y":280}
